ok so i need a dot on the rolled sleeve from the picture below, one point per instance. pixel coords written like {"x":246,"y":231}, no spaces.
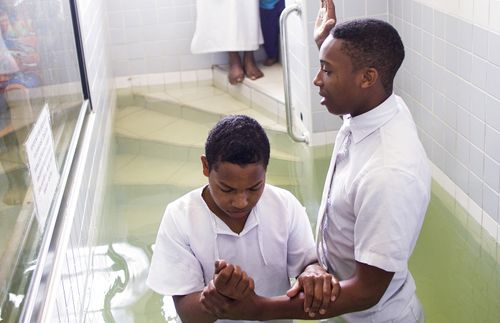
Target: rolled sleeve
{"x":390,"y":208}
{"x":174,"y":268}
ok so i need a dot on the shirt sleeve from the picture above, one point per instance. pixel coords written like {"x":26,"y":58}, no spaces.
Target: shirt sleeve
{"x":174,"y":268}
{"x":301,"y":245}
{"x":390,"y":206}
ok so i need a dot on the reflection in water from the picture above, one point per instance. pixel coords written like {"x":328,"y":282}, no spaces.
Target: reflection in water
{"x":118,"y":275}
{"x":168,"y":310}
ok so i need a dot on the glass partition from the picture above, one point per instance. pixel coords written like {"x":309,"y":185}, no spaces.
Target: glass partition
{"x":38,"y":68}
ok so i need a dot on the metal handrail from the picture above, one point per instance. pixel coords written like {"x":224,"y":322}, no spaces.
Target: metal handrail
{"x":286,"y":71}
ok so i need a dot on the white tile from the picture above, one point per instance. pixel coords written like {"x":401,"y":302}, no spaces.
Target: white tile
{"x":188,"y":76}
{"x":139,"y":80}
{"x":241,"y":92}
{"x":476,"y":212}
{"x":172,"y":77}
{"x":220,"y":79}
{"x":204,"y":75}
{"x":353,"y":9}
{"x":494,"y":12}
{"x":156,"y":79}
{"x":462,"y":198}
{"x":498,"y":241}
{"x":281,"y":113}
{"x":466,"y":9}
{"x":490,"y":225}
{"x":443,"y":180}
{"x":479,"y":72}
{"x":375,"y":7}
{"x":265,"y":102}
{"x":322,"y":138}
{"x":481,"y":12}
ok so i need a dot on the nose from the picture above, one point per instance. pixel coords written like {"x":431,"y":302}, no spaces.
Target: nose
{"x":317,"y":80}
{"x":240,"y":201}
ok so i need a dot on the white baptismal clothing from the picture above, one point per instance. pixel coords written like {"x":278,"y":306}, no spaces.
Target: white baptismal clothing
{"x":276,"y":243}
{"x":226,"y":25}
{"x":378,"y":199}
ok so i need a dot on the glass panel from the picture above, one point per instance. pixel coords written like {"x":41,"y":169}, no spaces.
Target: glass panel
{"x":38,"y":68}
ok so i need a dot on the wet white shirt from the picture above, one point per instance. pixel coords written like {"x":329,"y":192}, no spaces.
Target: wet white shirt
{"x":276,"y":243}
{"x":379,"y":197}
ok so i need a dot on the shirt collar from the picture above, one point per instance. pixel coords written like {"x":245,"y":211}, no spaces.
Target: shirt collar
{"x":220,"y":227}
{"x":364,"y":124}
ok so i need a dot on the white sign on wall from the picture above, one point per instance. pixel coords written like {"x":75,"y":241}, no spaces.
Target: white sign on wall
{"x":42,"y":165}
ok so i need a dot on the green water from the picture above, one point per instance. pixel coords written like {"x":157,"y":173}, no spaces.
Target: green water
{"x":455,"y":263}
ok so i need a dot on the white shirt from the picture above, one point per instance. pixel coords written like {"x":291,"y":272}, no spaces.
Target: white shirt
{"x":380,"y":194}
{"x":275,"y":244}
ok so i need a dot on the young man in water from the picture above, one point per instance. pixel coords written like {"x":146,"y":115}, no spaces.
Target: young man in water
{"x":377,"y":189}
{"x":239,"y":218}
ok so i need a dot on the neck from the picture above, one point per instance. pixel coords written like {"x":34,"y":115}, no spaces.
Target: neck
{"x":236,"y":225}
{"x":373,"y":100}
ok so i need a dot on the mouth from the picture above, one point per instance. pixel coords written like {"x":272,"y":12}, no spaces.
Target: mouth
{"x":238,"y":214}
{"x":323,"y":99}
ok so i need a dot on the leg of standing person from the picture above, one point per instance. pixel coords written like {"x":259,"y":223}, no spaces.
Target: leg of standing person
{"x":269,"y":19}
{"x":252,"y":71}
{"x":236,"y":73}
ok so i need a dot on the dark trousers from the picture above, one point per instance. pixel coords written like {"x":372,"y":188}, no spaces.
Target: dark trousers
{"x":269,"y":20}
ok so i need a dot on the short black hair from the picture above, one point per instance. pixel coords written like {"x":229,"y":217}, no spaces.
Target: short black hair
{"x":372,"y":43}
{"x":237,"y":139}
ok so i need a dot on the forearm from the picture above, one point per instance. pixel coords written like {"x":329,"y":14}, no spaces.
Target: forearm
{"x":190,"y":310}
{"x":351,"y":299}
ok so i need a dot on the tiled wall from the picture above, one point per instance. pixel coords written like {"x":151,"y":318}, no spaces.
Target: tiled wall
{"x":73,"y":294}
{"x":154,"y":36}
{"x":56,"y":56}
{"x":450,"y":80}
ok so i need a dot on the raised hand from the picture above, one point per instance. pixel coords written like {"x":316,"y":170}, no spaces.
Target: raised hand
{"x":319,"y":288}
{"x":325,"y":21}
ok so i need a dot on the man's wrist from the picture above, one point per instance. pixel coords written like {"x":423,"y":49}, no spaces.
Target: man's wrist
{"x":314,"y":267}
{"x":261,"y":308}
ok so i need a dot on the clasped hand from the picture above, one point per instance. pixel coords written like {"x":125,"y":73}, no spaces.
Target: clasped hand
{"x":230,"y":285}
{"x":318,"y":287}
{"x":230,"y":294}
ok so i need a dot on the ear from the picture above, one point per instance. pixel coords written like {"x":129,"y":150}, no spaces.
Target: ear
{"x":204,"y":163}
{"x":369,"y":77}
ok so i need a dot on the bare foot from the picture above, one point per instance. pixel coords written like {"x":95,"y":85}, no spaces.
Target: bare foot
{"x":236,"y":73}
{"x":251,"y":69}
{"x":270,"y":61}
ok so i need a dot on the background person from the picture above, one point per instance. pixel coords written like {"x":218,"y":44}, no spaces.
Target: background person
{"x":231,"y":26}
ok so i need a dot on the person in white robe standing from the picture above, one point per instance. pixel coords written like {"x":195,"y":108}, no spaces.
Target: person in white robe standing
{"x":231,"y":26}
